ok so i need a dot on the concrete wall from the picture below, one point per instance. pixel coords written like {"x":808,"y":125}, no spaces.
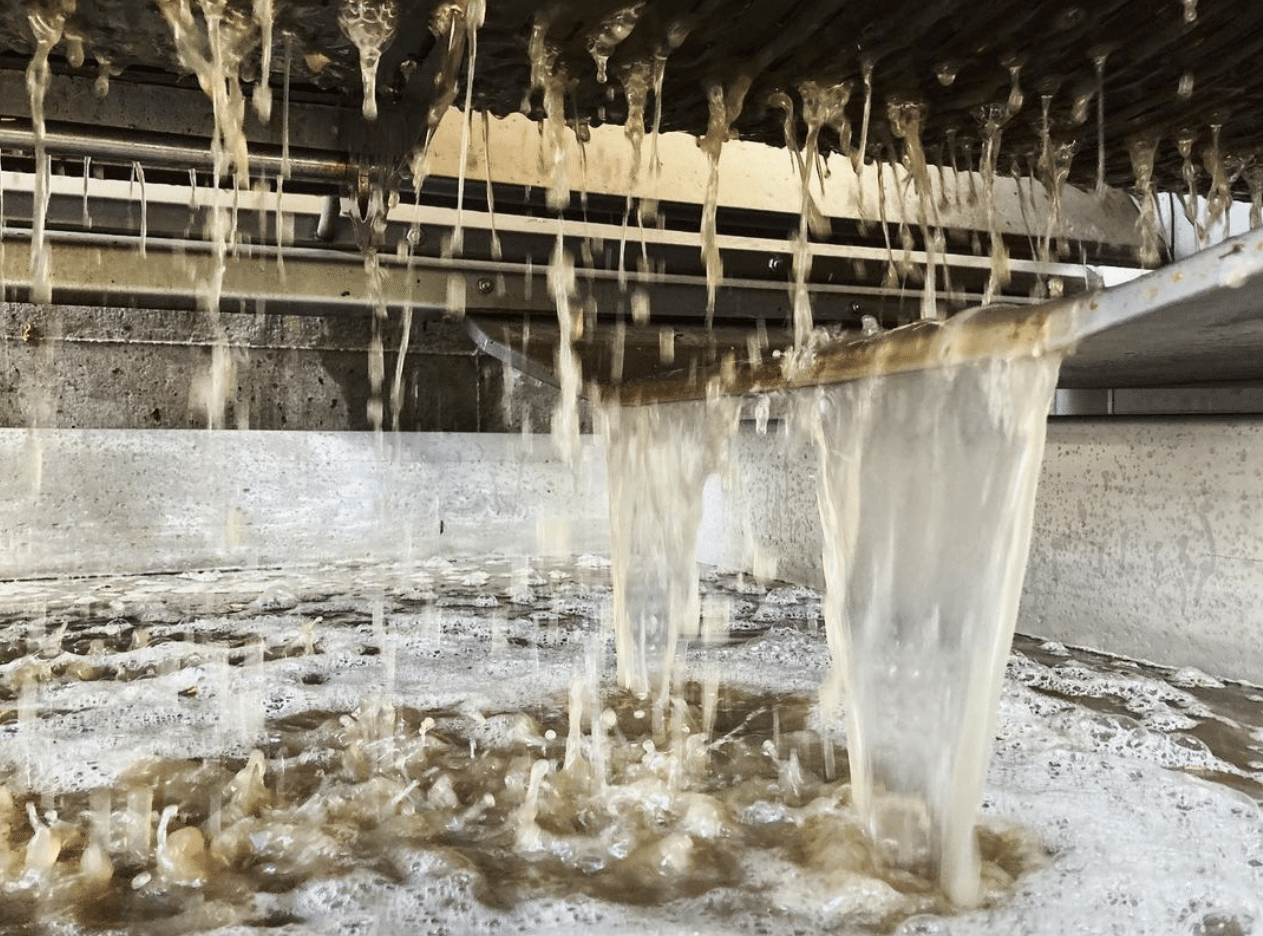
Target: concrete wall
{"x":1148,"y":534}
{"x":81,"y":367}
{"x":1148,"y":541}
{"x":90,"y":501}
{"x":1147,"y":537}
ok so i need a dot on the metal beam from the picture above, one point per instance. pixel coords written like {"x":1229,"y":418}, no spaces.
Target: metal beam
{"x":1200,"y":320}
{"x":174,"y":274}
{"x":170,"y":152}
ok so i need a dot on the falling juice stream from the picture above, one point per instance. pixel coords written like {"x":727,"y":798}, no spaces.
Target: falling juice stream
{"x":927,"y":486}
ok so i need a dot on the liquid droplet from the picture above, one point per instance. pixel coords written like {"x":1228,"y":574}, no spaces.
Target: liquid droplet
{"x":370,"y":25}
{"x":606,"y":37}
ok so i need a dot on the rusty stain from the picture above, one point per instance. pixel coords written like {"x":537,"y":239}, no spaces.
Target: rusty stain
{"x":981,"y":335}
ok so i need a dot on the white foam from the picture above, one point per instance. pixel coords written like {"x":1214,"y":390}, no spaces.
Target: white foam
{"x":1096,"y":767}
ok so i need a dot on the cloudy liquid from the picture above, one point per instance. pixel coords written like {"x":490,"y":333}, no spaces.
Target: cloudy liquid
{"x":468,"y":797}
{"x":926,"y":496}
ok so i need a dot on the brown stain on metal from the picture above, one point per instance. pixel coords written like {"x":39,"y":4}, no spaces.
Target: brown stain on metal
{"x":1003,"y":333}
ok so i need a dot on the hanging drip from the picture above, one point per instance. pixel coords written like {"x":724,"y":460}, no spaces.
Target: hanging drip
{"x":138,"y":178}
{"x":264,"y":14}
{"x":1219,"y":196}
{"x":1143,"y":150}
{"x":991,"y":120}
{"x":905,"y":123}
{"x":370,"y":25}
{"x":725,"y":104}
{"x":1184,"y":144}
{"x":47,"y":26}
{"x":611,"y":31}
{"x":550,"y":79}
{"x":1253,"y":174}
{"x":475,"y":12}
{"x":1098,"y":63}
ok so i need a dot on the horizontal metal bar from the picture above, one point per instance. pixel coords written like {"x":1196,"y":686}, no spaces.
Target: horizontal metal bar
{"x":528,"y":224}
{"x":1201,"y":316}
{"x":106,"y":192}
{"x":173,"y":273}
{"x":151,"y":149}
{"x":503,"y":222}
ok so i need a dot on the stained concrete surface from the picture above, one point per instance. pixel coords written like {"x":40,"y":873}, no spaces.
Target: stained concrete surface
{"x":1147,"y":537}
{"x":77,"y":367}
{"x":1148,"y":541}
{"x":104,"y":501}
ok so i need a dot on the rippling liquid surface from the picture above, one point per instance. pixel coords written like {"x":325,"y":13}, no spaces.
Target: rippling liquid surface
{"x":440,"y":749}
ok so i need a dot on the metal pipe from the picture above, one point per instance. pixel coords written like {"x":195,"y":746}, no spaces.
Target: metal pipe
{"x":163,"y":150}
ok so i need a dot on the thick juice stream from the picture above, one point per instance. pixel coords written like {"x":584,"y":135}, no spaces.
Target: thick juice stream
{"x":926,"y":496}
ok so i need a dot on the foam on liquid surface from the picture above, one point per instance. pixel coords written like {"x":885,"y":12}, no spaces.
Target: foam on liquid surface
{"x":417,"y":769}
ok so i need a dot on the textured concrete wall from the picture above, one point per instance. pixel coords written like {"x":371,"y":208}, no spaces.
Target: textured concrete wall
{"x":1148,"y":541}
{"x":761,"y":514}
{"x":1147,"y":537}
{"x":88,"y":501}
{"x":1148,"y":534}
{"x":100,"y":368}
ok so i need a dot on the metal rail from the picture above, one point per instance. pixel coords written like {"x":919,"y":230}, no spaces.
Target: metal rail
{"x":1198,"y":320}
{"x":173,"y":152}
